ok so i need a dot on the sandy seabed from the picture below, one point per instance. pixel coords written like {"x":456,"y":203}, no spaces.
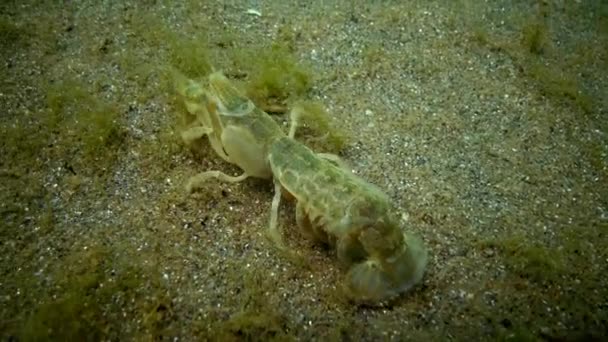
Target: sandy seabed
{"x":485,"y":123}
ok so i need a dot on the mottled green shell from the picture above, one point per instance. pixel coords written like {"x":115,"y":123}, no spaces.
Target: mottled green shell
{"x":343,"y":200}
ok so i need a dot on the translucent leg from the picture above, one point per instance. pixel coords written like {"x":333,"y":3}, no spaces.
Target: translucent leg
{"x":273,"y":228}
{"x":302,"y":220}
{"x":195,"y":133}
{"x":197,"y":181}
{"x":321,"y":138}
{"x":313,"y":230}
{"x":294,"y":116}
{"x":336,"y":160}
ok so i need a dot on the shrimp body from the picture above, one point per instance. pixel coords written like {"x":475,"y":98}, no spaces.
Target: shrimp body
{"x":339,"y":208}
{"x":333,"y":205}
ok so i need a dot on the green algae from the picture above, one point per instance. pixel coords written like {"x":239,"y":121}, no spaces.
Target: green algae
{"x":558,"y":84}
{"x":11,"y":33}
{"x":86,"y":129}
{"x":256,"y":317}
{"x":83,"y":133}
{"x":253,"y":326}
{"x":22,"y":142}
{"x":190,"y":55}
{"x":375,"y":60}
{"x":93,"y":289}
{"x":529,"y":260}
{"x":535,"y":37}
{"x":316,"y":118}
{"x":73,"y":315}
{"x":274,"y":76}
{"x":553,"y":71}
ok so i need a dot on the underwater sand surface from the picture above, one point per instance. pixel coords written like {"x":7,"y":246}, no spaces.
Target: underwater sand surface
{"x":485,"y":123}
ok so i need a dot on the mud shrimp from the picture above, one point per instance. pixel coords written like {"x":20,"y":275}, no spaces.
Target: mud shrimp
{"x":332,"y":204}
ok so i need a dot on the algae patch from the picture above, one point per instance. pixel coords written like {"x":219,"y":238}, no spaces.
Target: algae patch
{"x":83,"y":129}
{"x":256,"y":317}
{"x":274,"y":76}
{"x":529,"y":260}
{"x":92,"y":290}
{"x":327,"y":133}
{"x":557,"y":73}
